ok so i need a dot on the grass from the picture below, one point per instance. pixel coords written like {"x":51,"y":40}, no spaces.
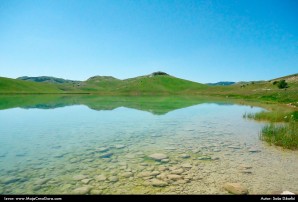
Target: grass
{"x":282,"y":129}
{"x":281,"y":135}
{"x":273,"y":116}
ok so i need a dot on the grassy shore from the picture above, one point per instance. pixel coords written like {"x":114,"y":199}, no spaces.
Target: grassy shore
{"x":282,"y":129}
{"x":281,"y":135}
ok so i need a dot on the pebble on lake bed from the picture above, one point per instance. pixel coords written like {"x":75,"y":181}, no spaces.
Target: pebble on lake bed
{"x":119,"y":146}
{"x":100,"y":178}
{"x":235,"y":188}
{"x":184,"y":156}
{"x":106,"y":155}
{"x":158,"y":183}
{"x":81,"y":190}
{"x":79,"y":177}
{"x":113,"y":179}
{"x":103,"y":149}
{"x":158,"y":156}
{"x":204,"y":158}
{"x":254,"y":150}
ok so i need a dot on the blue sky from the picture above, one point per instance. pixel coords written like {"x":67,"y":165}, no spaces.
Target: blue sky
{"x":203,"y":41}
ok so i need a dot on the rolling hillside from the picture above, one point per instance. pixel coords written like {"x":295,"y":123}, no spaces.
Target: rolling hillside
{"x":155,"y":83}
{"x":11,"y":86}
{"x":159,"y":83}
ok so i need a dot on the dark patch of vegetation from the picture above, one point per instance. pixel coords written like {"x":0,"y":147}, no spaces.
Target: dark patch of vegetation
{"x":282,"y":84}
{"x":159,"y":73}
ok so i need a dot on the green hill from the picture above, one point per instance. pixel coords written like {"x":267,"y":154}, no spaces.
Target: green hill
{"x":158,"y":83}
{"x":155,"y":83}
{"x":12,"y":86}
{"x":265,"y":91}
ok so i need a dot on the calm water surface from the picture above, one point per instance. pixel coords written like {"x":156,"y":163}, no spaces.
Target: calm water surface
{"x":75,"y":149}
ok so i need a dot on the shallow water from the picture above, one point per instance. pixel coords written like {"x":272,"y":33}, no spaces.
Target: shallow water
{"x":75,"y":149}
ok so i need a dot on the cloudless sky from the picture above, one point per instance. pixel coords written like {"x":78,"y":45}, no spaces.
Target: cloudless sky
{"x":203,"y":41}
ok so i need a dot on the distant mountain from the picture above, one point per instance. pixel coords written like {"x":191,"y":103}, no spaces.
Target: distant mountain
{"x":157,"y":83}
{"x":101,"y":78}
{"x":47,"y":79}
{"x":221,"y":83}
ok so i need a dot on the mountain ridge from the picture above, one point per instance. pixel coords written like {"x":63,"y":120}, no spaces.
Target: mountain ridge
{"x":157,"y":83}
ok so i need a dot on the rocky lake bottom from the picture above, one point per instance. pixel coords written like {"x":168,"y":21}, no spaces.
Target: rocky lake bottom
{"x":202,"y":149}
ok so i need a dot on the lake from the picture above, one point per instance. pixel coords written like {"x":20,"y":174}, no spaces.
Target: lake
{"x":136,"y":145}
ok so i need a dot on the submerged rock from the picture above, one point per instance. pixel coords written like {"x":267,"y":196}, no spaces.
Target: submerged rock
{"x":195,"y":151}
{"x":177,"y":171}
{"x":234,"y":147}
{"x":174,"y":177}
{"x":243,"y":166}
{"x":127,"y":174}
{"x":96,"y":192}
{"x":144,"y":174}
{"x":165,"y":160}
{"x":130,"y":156}
{"x":184,"y":156}
{"x":100,"y":178}
{"x":254,"y":150}
{"x":204,"y":158}
{"x":106,"y":155}
{"x":162,"y":168}
{"x":119,"y":146}
{"x":158,"y":156}
{"x":162,"y":176}
{"x":79,"y":177}
{"x":158,"y":183}
{"x":170,"y":148}
{"x":246,"y":171}
{"x":186,"y":165}
{"x":154,"y":173}
{"x":36,"y":188}
{"x":103,"y":149}
{"x":180,"y":182}
{"x":41,"y":181}
{"x":2,"y":155}
{"x":113,"y":179}
{"x":235,"y":188}
{"x":81,"y":190}
{"x":215,"y":158}
{"x":86,"y":181}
